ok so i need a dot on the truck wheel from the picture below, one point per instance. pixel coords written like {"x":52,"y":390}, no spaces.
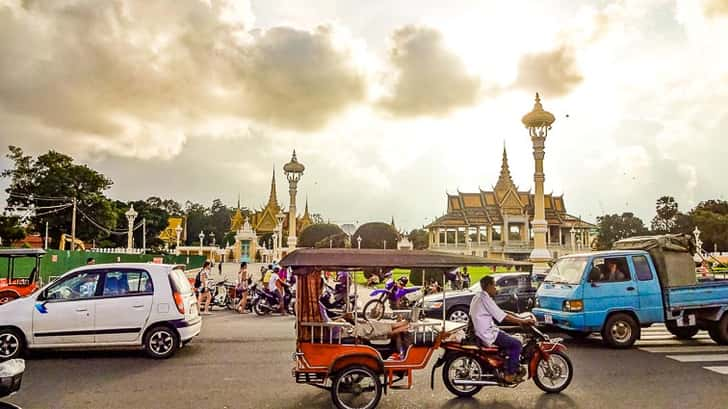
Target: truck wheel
{"x":681,"y":332}
{"x":719,"y":331}
{"x":620,"y":331}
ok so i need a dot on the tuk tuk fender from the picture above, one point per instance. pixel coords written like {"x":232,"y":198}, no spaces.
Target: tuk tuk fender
{"x":367,"y":360}
{"x":7,"y":295}
{"x":544,"y":350}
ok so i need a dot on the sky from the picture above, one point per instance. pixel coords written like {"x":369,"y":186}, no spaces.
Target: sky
{"x":388,"y":104}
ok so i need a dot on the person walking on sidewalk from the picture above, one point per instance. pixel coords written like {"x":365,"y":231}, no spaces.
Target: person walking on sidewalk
{"x":243,"y":282}
{"x":205,"y":288}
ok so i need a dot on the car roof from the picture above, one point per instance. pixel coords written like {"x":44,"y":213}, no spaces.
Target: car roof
{"x":514,"y":274}
{"x":150,"y":267}
{"x":605,"y":253}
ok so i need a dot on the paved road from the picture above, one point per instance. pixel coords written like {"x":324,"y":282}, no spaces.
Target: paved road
{"x":245,"y":361}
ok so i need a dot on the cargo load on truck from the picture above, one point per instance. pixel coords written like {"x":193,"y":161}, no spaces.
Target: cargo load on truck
{"x":671,"y":253}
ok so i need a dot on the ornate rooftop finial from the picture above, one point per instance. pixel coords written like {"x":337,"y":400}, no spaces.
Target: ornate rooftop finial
{"x":504,"y":180}
{"x":273,"y":198}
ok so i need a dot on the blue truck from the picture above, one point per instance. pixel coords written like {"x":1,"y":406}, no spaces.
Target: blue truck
{"x":618,"y":292}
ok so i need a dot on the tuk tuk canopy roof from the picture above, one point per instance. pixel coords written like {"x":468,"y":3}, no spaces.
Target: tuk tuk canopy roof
{"x":351,"y":259}
{"x":9,"y":253}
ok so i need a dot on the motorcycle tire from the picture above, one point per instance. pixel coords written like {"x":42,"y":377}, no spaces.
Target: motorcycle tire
{"x":566,"y":362}
{"x":260,"y":307}
{"x":373,"y":310}
{"x":461,"y":391}
{"x":292,"y":307}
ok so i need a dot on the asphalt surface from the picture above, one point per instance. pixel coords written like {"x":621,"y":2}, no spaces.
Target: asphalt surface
{"x":245,"y":362}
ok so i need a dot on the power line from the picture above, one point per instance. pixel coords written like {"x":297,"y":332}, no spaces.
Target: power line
{"x":106,"y":229}
{"x":37,"y":197}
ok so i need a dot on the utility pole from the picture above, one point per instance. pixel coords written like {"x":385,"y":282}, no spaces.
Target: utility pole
{"x":46,"y":236}
{"x":73,"y":225}
{"x":144,"y":235}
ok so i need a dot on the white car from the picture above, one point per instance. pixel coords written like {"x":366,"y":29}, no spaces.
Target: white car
{"x":105,"y":305}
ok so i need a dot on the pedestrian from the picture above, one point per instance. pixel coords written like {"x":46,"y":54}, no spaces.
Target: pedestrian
{"x":205,"y":288}
{"x":243,"y":287}
{"x":219,"y":267}
{"x":90,"y":261}
{"x":466,"y":277}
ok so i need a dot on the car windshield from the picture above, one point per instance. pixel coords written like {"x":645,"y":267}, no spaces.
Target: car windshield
{"x":567,"y":270}
{"x":475,"y":287}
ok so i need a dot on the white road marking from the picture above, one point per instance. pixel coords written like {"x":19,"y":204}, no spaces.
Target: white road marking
{"x":723,"y":370}
{"x":674,"y":341}
{"x":699,"y":358}
{"x":685,"y":349}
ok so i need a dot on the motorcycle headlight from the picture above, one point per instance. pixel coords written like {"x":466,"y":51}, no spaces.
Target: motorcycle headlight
{"x":573,"y":305}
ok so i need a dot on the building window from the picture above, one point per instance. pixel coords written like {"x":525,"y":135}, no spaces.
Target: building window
{"x":514,"y":232}
{"x":496,"y":234}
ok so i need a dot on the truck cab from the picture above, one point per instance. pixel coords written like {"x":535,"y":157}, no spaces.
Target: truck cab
{"x":618,"y":292}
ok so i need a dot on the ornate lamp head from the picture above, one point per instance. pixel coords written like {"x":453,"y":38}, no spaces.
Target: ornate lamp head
{"x":538,"y":121}
{"x":131,"y":214}
{"x":293,"y":169}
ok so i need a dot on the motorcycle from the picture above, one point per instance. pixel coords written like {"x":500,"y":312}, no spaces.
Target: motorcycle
{"x":469,"y":368}
{"x":397,"y":297}
{"x":221,"y":295}
{"x":268,"y":302}
{"x":333,"y":298}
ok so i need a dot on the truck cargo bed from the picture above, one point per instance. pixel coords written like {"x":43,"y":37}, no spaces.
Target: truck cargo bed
{"x":705,"y":294}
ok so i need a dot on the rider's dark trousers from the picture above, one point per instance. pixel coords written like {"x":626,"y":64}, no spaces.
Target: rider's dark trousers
{"x":513,"y":348}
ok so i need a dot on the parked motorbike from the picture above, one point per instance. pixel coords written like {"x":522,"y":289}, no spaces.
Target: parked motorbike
{"x":268,"y":302}
{"x":221,"y":295}
{"x":334,"y":299}
{"x":395,"y":295}
{"x":469,"y":368}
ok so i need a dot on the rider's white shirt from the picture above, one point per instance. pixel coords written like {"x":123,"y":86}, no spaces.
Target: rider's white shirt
{"x":483,"y":310}
{"x":272,"y":283}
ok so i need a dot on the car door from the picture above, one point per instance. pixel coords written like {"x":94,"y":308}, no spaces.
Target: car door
{"x":650,"y":296}
{"x":602,"y":295}
{"x":124,"y":305}
{"x":65,"y":312}
{"x":507,"y":293}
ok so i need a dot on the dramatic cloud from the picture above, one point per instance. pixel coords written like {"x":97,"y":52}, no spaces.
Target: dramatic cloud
{"x":716,"y":7}
{"x":553,"y":72}
{"x":430,"y":79}
{"x":134,"y":78}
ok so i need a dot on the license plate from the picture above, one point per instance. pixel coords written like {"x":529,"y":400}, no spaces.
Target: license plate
{"x":547,"y":318}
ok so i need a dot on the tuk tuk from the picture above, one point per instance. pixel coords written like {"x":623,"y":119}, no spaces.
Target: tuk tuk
{"x":333,"y":354}
{"x":19,"y":277}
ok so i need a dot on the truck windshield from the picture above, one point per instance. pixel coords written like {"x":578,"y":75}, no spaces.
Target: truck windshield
{"x":567,"y":270}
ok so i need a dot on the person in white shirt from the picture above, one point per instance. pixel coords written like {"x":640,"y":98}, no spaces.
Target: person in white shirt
{"x":275,"y":286}
{"x":483,"y":311}
{"x":206,"y":289}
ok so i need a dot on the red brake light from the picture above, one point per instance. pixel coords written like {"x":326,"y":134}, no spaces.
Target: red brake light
{"x":179,"y":302}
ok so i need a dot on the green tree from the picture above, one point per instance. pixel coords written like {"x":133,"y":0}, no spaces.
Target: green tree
{"x":666,"y":219}
{"x":11,"y":230}
{"x":337,"y":241}
{"x":374,"y":235}
{"x":711,"y":218}
{"x":53,"y":179}
{"x":420,"y":239}
{"x":613,"y":227}
{"x":317,"y":232}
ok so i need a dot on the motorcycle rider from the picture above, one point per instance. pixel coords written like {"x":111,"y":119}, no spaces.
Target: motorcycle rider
{"x":483,"y":311}
{"x":396,"y":300}
{"x":275,"y":286}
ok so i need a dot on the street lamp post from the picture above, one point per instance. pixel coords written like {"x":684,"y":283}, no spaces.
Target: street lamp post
{"x":293,"y":170}
{"x":385,"y":244}
{"x":358,"y":242}
{"x":538,"y":122}
{"x":178,"y":232}
{"x":201,"y":236}
{"x":275,"y":245}
{"x":212,"y":237}
{"x":130,"y":214}
{"x":280,"y":217}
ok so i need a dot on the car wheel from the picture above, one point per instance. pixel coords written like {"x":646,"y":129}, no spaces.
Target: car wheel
{"x":620,"y":331}
{"x":458,"y":314}
{"x":11,"y":344}
{"x":161,"y":342}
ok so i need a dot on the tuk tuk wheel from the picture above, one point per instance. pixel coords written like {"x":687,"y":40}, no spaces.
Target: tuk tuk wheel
{"x":11,"y":344}
{"x":356,"y":387}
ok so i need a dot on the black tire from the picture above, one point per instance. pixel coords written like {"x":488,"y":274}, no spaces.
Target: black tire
{"x":341,"y":383}
{"x":565,"y":364}
{"x":161,"y":342}
{"x":7,"y":296}
{"x":373,"y":310}
{"x":12,"y":344}
{"x":459,"y":313}
{"x":620,"y":331}
{"x":681,"y":332}
{"x":258,"y":307}
{"x":719,"y":331}
{"x":461,"y":391}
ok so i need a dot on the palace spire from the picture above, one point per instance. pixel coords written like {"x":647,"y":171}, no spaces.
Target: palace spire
{"x":504,"y":180}
{"x":273,"y":198}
